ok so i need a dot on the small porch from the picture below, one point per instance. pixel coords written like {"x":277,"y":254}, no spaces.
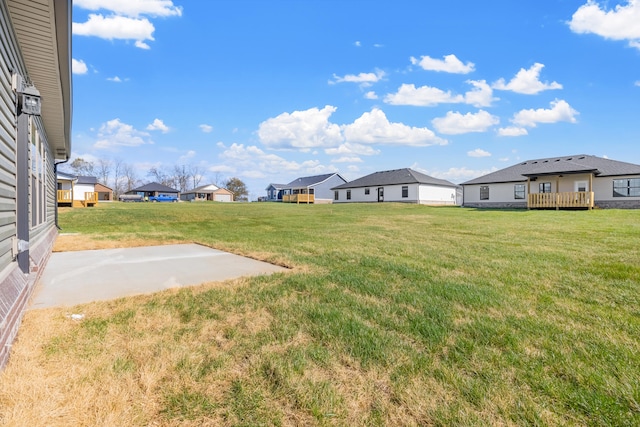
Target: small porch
{"x":566,"y":200}
{"x":298,"y":198}
{"x":65,"y":198}
{"x":581,"y":198}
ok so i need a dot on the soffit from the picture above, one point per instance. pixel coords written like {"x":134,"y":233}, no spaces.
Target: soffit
{"x":42,"y":28}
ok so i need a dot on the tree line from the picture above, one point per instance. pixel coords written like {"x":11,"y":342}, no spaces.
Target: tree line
{"x":122,"y":177}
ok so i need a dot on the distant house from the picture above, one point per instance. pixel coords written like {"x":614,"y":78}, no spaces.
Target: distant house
{"x":274,"y":192}
{"x":154,"y":189}
{"x":568,"y":182}
{"x":209,"y":192}
{"x":399,"y":185}
{"x":312,"y":189}
{"x":76,"y":191}
{"x":104,"y":193}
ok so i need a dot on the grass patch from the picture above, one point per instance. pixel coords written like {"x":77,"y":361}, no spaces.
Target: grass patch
{"x":394,"y":314}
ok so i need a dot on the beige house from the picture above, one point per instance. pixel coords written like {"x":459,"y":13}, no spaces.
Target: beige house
{"x":35,"y":104}
{"x":210,"y":192}
{"x":569,"y":182}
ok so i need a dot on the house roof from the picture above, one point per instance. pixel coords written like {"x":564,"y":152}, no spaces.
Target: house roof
{"x":206,"y":189}
{"x":581,"y":163}
{"x":309,"y":181}
{"x":103,"y":187}
{"x":65,"y":176}
{"x":395,"y":177}
{"x":87,"y":180}
{"x":276,"y":186}
{"x":43,"y":31}
{"x":155,"y":186}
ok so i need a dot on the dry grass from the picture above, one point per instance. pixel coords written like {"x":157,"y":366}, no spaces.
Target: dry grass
{"x":431,"y":317}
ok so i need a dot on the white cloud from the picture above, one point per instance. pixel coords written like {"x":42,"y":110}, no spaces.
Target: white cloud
{"x":512,"y":131}
{"x":134,"y":8}
{"x":364,"y":79}
{"x":424,"y":96}
{"x":560,"y":111}
{"x":370,"y":95}
{"x":114,"y":133}
{"x":620,"y":23}
{"x":357,"y":43}
{"x":301,"y":130}
{"x":458,"y":123}
{"x":346,"y":159}
{"x":456,"y":175}
{"x":249,"y":159}
{"x":481,"y":95}
{"x":114,"y":79}
{"x":527,"y":82}
{"x":478,"y":152}
{"x":186,"y":157}
{"x":350,"y":149}
{"x":78,"y":67}
{"x":206,"y":128}
{"x":158,"y":125}
{"x":637,"y":83}
{"x":374,"y":128}
{"x":116,"y":27}
{"x":450,"y":64}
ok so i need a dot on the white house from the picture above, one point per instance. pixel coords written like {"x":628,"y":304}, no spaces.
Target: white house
{"x":568,"y":182}
{"x":76,"y":191}
{"x":35,"y":129}
{"x":311,"y":189}
{"x":399,"y":185}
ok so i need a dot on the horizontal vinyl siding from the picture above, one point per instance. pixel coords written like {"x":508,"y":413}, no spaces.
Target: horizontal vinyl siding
{"x":8,"y":56}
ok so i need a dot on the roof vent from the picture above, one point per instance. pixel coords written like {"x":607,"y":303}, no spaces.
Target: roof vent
{"x":546,"y":161}
{"x":534,"y":162}
{"x":557,"y":160}
{"x":580,"y":158}
{"x":570,"y":158}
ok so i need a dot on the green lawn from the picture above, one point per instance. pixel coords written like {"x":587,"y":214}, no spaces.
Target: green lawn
{"x":392,"y":315}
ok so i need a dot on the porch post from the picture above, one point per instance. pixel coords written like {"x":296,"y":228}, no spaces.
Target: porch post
{"x":528,"y":192}
{"x":557,"y":193}
{"x":590,"y":191}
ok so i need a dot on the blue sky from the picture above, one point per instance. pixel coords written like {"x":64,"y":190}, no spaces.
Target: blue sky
{"x":268,"y":91}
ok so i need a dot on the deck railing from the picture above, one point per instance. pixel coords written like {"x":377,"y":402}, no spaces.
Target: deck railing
{"x":298,"y":198}
{"x":64,"y":196}
{"x":573,"y":199}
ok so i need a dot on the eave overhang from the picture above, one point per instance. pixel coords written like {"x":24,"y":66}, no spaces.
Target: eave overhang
{"x":43,"y":30}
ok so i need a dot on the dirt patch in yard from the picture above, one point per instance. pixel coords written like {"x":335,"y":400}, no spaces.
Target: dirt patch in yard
{"x":81,"y":242}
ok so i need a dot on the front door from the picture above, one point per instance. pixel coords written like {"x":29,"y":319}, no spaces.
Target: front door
{"x":380,"y":194}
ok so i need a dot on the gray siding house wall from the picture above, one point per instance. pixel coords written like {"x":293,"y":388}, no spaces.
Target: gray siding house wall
{"x":35,"y":52}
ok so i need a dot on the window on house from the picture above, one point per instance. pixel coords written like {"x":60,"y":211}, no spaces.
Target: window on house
{"x":38,"y":180}
{"x":348,"y":194}
{"x":366,"y":191}
{"x":628,"y":187}
{"x":518,"y":191}
{"x":484,"y":192}
{"x":545,"y":187}
{"x":335,"y":195}
{"x":405,"y":191}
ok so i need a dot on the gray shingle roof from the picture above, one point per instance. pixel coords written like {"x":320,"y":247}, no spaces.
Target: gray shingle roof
{"x":87,"y":180}
{"x":155,"y":186}
{"x":307,"y":181}
{"x":276,"y":186}
{"x":581,"y":163}
{"x":395,"y":177}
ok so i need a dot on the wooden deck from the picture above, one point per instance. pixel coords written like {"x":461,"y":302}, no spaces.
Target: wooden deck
{"x":298,"y":198}
{"x":65,"y":198}
{"x":569,"y":200}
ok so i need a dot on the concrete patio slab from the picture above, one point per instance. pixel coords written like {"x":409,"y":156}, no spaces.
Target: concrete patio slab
{"x":72,"y":278}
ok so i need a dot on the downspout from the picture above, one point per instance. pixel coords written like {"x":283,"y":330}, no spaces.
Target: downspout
{"x":55,"y":172}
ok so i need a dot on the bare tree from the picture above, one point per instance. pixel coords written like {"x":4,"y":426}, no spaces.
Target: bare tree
{"x":118,"y":187}
{"x":130,"y":179}
{"x":81,"y":166}
{"x":181,"y":177}
{"x":104,"y":171}
{"x":196,"y":176}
